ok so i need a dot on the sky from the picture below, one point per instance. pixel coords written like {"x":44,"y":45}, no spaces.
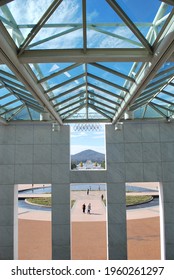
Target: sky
{"x":84,"y":140}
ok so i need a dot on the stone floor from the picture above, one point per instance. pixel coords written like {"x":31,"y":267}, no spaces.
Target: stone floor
{"x":89,"y":232}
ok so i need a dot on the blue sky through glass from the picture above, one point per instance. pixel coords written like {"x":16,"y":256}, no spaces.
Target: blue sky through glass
{"x":83,"y":140}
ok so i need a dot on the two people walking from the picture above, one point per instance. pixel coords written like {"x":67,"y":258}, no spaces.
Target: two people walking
{"x":88,"y":208}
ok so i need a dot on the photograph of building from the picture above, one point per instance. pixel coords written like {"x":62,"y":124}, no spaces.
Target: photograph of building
{"x":79,"y":73}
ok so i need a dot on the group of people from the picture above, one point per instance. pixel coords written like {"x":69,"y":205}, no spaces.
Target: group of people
{"x":88,"y":208}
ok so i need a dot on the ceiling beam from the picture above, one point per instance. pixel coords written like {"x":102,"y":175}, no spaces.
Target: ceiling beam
{"x":91,"y":55}
{"x":130,"y":24}
{"x":4,"y":2}
{"x":161,"y":55}
{"x":8,"y":54}
{"x":39,"y":25}
{"x":3,"y":121}
{"x":170,"y":2}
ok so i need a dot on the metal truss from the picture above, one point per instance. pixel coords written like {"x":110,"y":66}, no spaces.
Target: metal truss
{"x":87,"y":87}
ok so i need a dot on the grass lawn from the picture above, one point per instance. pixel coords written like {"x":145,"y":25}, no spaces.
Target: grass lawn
{"x":44,"y":201}
{"x":130,"y":200}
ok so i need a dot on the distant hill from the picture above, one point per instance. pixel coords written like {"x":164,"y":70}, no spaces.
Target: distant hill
{"x":88,"y":155}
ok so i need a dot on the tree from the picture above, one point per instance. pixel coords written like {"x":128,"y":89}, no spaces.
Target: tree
{"x":73,"y":165}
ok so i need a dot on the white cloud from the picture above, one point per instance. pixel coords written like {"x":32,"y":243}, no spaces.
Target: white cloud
{"x":54,"y":67}
{"x":67,"y":74}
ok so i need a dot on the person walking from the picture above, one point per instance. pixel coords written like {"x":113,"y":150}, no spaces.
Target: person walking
{"x":84,"y":208}
{"x":89,"y":208}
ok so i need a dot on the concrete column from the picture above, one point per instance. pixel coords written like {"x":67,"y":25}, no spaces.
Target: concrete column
{"x":167,"y":232}
{"x":8,"y":222}
{"x":61,"y":222}
{"x":61,"y":194}
{"x":116,"y":202}
{"x":117,"y":235}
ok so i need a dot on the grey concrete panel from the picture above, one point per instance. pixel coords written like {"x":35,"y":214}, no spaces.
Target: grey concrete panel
{"x":61,"y":153}
{"x":112,"y":135}
{"x":23,"y":174}
{"x":169,"y":213}
{"x":24,"y":134}
{"x":168,"y":191}
{"x":62,"y":136}
{"x":151,"y":152}
{"x":60,"y":173}
{"x":42,"y":154}
{"x":116,"y":193}
{"x":152,"y":172}
{"x":24,"y":154}
{"x":150,"y":132}
{"x":42,"y":134}
{"x":134,"y":172}
{"x":166,"y":132}
{"x":7,"y":135}
{"x":6,"y":253}
{"x":7,"y":153}
{"x":167,"y":151}
{"x":132,"y":132}
{"x":116,"y":234}
{"x":61,"y":214}
{"x":169,"y":231}
{"x":115,"y":152}
{"x":61,"y":235}
{"x":7,"y":174}
{"x":61,"y":253}
{"x":133,"y":152}
{"x":60,"y":194}
{"x":6,"y":215}
{"x":88,"y":176}
{"x":6,"y":195}
{"x":118,"y":252}
{"x":6,"y":236}
{"x":42,"y":173}
{"x":116,"y":213}
{"x":170,"y":251}
{"x":116,"y":172}
{"x":167,"y":171}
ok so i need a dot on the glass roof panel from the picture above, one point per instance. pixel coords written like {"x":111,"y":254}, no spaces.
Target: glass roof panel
{"x":144,"y":13}
{"x":96,"y":81}
{"x":105,"y":28}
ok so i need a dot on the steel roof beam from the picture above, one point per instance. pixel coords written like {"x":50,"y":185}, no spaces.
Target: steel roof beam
{"x":103,"y":98}
{"x":106,"y":91}
{"x":68,"y":99}
{"x":130,"y":24}
{"x":4,"y":2}
{"x":104,"y":110}
{"x":91,"y":55}
{"x":67,"y":92}
{"x":71,"y":104}
{"x":169,"y":2}
{"x":162,"y":107}
{"x":114,"y":72}
{"x":157,"y":110}
{"x":163,"y":100}
{"x":3,"y":121}
{"x":39,"y":25}
{"x":73,"y":110}
{"x":65,"y":83}
{"x":108,"y":82}
{"x":98,"y":111}
{"x":9,"y":57}
{"x":161,"y":55}
{"x":59,"y":72}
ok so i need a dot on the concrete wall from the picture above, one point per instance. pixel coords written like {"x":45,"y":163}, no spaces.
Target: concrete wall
{"x":34,"y":154}
{"x":143,"y":151}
